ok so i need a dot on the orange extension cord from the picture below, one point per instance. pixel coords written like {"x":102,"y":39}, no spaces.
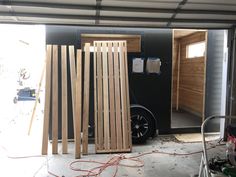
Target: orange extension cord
{"x":115,"y":161}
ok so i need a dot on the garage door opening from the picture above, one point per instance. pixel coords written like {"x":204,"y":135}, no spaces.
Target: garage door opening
{"x":21,"y":66}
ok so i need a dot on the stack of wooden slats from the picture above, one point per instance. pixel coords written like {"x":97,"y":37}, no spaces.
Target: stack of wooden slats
{"x":111,"y":97}
{"x":112,"y":113}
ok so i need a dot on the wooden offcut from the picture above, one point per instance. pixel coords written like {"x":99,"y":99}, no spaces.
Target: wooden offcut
{"x":55,"y":100}
{"x":47,"y":100}
{"x":112,"y":114}
{"x":64,"y":98}
{"x":86,"y":98}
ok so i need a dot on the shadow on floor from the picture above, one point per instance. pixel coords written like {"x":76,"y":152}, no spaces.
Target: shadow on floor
{"x":183,"y":119}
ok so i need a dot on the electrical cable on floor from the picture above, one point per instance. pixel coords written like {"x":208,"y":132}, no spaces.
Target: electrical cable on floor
{"x":115,"y":161}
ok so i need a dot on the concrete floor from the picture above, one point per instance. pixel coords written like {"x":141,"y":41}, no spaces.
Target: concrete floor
{"x":158,"y":165}
{"x":183,"y":119}
{"x":14,"y":142}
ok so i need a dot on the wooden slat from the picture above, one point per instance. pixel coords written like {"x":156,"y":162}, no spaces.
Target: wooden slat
{"x":95,"y":94}
{"x":55,"y":101}
{"x":73,"y":94}
{"x":177,"y":82}
{"x":47,"y":100}
{"x":64,"y":99}
{"x":127,"y":97}
{"x":78,"y":107}
{"x":204,"y":79}
{"x":123,"y":96}
{"x":99,"y":99}
{"x":105,"y":97}
{"x":111,"y":97}
{"x":117,"y":95}
{"x":36,"y":99}
{"x":86,"y":98}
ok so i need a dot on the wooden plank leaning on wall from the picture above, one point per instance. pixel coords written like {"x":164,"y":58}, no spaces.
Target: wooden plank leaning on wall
{"x":78,"y":101}
{"x":73,"y":94}
{"x":86,"y":97}
{"x":64,"y":101}
{"x":47,"y":100}
{"x":55,"y":100}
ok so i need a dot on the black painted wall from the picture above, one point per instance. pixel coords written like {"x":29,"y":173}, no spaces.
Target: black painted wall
{"x":150,"y":90}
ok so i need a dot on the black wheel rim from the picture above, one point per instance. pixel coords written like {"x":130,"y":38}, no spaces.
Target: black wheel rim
{"x":139,"y":126}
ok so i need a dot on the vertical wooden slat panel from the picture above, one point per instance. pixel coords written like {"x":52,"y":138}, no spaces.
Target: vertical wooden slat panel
{"x":47,"y":100}
{"x":117,"y":95}
{"x":86,"y":98}
{"x":95,"y":93}
{"x":55,"y":101}
{"x":112,"y":79}
{"x":127,"y":96}
{"x":123,"y":96}
{"x":105,"y":97}
{"x":78,"y":105}
{"x":64,"y":99}
{"x":73,"y":92}
{"x":112,"y":97}
{"x":100,"y":98}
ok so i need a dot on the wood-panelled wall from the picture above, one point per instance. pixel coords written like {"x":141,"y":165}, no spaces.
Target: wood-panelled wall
{"x":191,"y":76}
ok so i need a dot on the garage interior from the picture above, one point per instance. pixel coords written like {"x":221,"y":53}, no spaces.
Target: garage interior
{"x":116,"y":88}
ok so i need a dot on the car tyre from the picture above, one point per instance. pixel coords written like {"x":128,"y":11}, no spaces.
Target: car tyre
{"x":142,"y":125}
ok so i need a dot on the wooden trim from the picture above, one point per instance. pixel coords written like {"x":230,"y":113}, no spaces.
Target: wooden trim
{"x":86,"y":98}
{"x":64,"y":100}
{"x":204,"y":82}
{"x":178,"y":74}
{"x":55,"y":101}
{"x":47,"y":100}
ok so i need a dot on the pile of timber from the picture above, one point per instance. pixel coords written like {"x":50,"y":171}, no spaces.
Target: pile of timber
{"x":111,"y":97}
